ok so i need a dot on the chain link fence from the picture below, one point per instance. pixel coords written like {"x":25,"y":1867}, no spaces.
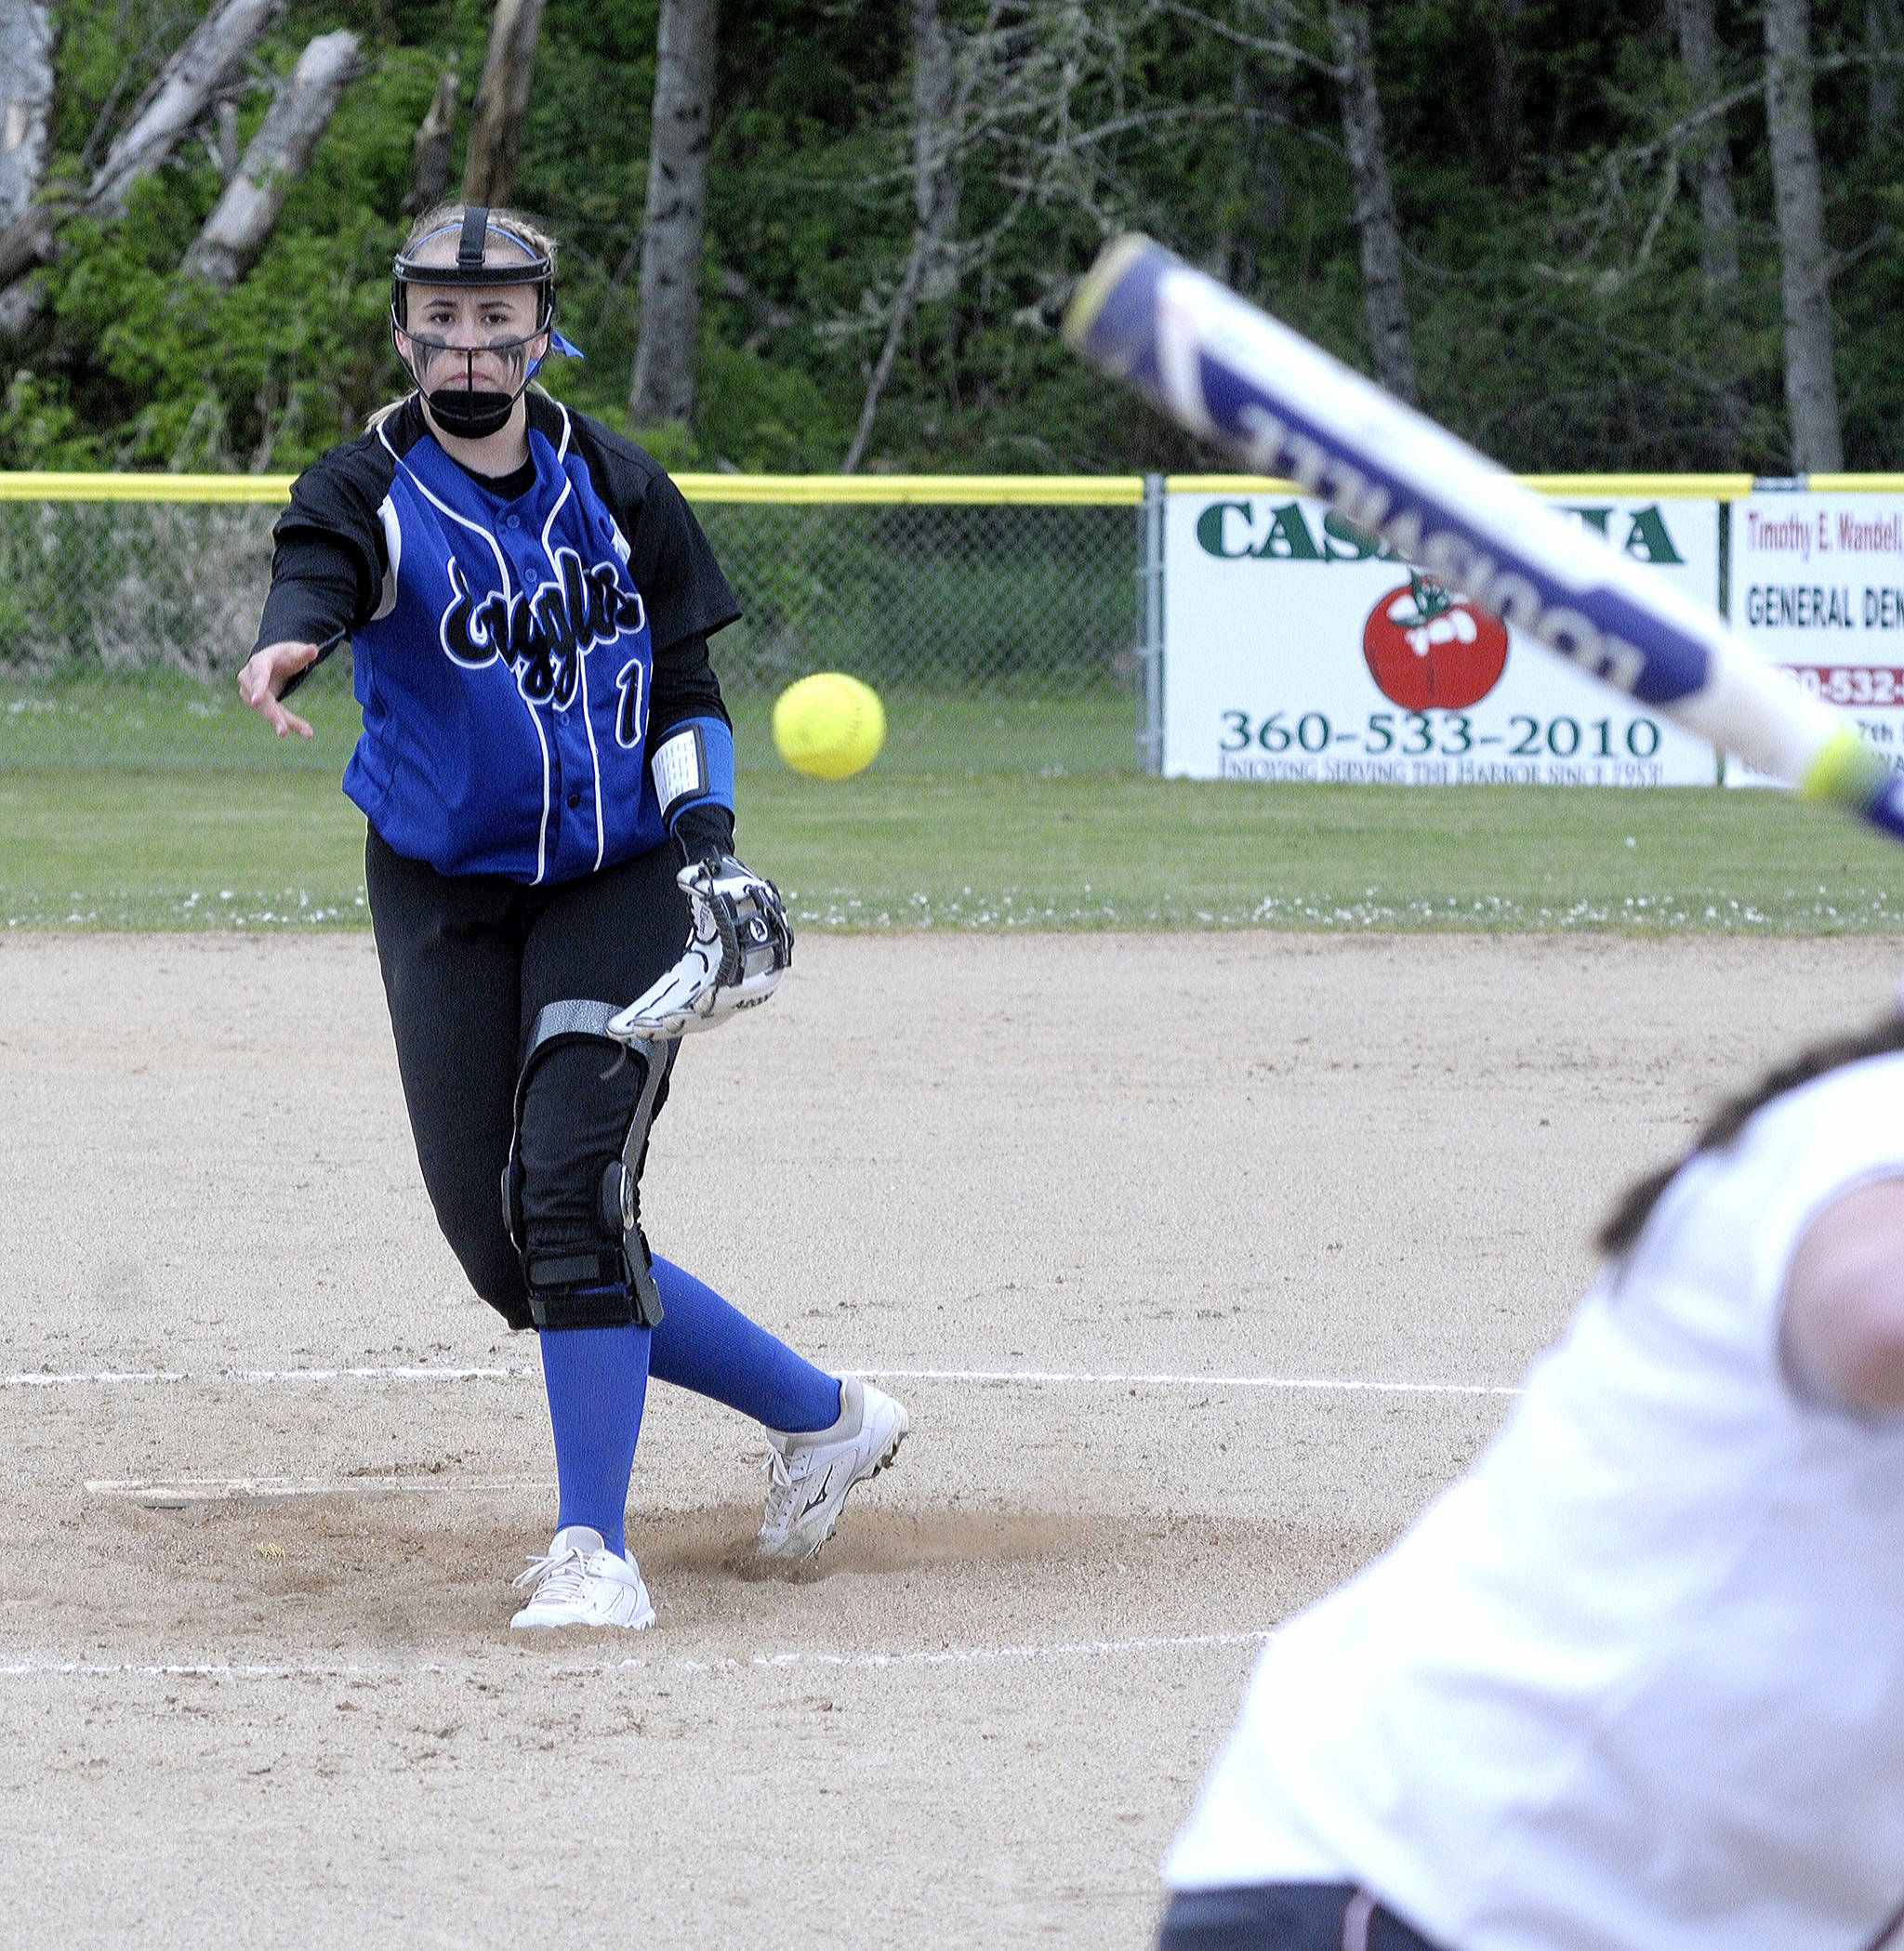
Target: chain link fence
{"x":999,"y":620}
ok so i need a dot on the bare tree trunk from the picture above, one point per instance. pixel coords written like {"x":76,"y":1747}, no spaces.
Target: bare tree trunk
{"x":429,"y":154}
{"x":1226,"y":258}
{"x":1505,"y":90}
{"x":26,"y":86}
{"x":27,"y":37}
{"x":1385,"y":300}
{"x":241,"y":223}
{"x":905,"y":303}
{"x":27,"y":241}
{"x":1699,"y":54}
{"x":1811,"y":383}
{"x":168,"y":110}
{"x":1262,"y":98}
{"x":226,"y":115}
{"x":502,"y":100}
{"x":180,"y":97}
{"x":675,"y":224}
{"x":1712,"y":156}
{"x":934,"y":159}
{"x":1884,"y":42}
{"x":932,"y":264}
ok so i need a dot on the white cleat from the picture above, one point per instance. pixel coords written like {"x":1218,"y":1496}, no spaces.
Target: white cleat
{"x":580,"y":1582}
{"x":810,"y":1471}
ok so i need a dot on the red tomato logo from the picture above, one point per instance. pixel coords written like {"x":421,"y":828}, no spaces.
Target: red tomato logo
{"x":1428,"y":651}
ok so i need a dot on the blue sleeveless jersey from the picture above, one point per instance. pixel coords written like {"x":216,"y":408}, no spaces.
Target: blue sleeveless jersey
{"x":503,"y":637}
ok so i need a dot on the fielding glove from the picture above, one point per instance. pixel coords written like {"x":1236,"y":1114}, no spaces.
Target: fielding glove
{"x":739,"y":945}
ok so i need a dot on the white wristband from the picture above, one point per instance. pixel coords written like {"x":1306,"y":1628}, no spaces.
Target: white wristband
{"x":680,"y":767}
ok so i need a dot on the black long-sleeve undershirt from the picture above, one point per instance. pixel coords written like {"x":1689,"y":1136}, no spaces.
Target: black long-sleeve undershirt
{"x":316,"y":592}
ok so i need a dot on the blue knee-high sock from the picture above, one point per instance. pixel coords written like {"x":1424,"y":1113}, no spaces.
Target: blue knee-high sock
{"x":706,"y":1344}
{"x":597,"y":1379}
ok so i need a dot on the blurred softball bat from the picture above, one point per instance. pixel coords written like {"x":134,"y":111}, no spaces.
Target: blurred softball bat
{"x":1230,"y":373}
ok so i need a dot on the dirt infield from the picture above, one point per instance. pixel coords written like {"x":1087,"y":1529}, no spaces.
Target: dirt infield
{"x":1203,"y":1262}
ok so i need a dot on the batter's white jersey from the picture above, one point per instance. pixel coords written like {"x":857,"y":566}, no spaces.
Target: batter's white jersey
{"x":1636,"y":1683}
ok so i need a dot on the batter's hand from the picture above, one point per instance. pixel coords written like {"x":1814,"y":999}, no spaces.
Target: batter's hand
{"x":263,"y":681}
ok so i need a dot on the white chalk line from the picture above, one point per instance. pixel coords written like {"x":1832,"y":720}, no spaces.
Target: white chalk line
{"x":1044,"y":1377}
{"x":200,"y":1490}
{"x":47,"y":1666}
{"x":111,"y":1377}
{"x":1137,"y":1379}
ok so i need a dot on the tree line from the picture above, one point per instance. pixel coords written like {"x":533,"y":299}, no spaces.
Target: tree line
{"x":808,"y":234}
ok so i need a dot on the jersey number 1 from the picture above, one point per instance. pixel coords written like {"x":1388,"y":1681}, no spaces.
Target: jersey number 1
{"x":631,"y":719}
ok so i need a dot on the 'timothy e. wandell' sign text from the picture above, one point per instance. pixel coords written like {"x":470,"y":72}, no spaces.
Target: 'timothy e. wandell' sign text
{"x":1818,"y":586}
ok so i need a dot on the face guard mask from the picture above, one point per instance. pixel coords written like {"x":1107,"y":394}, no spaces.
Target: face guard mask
{"x":466,"y":411}
{"x":470,"y":410}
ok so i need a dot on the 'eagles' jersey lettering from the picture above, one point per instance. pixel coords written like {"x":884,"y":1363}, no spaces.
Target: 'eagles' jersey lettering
{"x":544,"y":634}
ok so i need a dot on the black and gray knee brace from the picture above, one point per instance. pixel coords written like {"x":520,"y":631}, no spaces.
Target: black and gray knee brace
{"x":609,"y":1281}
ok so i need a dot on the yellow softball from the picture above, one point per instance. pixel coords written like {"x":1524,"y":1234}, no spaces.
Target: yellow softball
{"x":828,"y":726}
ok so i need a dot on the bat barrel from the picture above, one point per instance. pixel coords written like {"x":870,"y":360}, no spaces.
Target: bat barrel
{"x":1887,"y":810}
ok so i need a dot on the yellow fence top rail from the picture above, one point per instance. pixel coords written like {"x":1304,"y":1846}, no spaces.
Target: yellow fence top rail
{"x":939,"y":490}
{"x":1856,"y":484}
{"x":993,"y":490}
{"x":270,"y":488}
{"x":1643,"y":487}
{"x":1228,"y":485}
{"x":1615,"y":487}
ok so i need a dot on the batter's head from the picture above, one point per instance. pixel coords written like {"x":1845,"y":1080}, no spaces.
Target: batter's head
{"x":459,"y":247}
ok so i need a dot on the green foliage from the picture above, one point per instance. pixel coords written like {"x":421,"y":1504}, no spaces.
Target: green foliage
{"x":139,"y":367}
{"x":1560,"y":314}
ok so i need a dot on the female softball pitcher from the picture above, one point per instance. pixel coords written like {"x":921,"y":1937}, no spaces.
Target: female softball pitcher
{"x":1636,"y":1683}
{"x":547,"y":769}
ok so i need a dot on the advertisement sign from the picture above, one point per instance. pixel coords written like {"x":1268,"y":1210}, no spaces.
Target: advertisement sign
{"x":1818,"y":587}
{"x":1297,"y":648}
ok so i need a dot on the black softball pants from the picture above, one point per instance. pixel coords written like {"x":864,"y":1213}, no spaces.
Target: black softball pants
{"x":467,"y":961}
{"x":1284,"y":1917}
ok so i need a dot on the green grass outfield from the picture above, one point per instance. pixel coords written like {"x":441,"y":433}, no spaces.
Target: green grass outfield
{"x":162,"y":721}
{"x":155,"y":803}
{"x":181,"y":849}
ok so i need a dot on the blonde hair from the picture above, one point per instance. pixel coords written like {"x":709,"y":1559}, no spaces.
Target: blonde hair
{"x":513,"y":227}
